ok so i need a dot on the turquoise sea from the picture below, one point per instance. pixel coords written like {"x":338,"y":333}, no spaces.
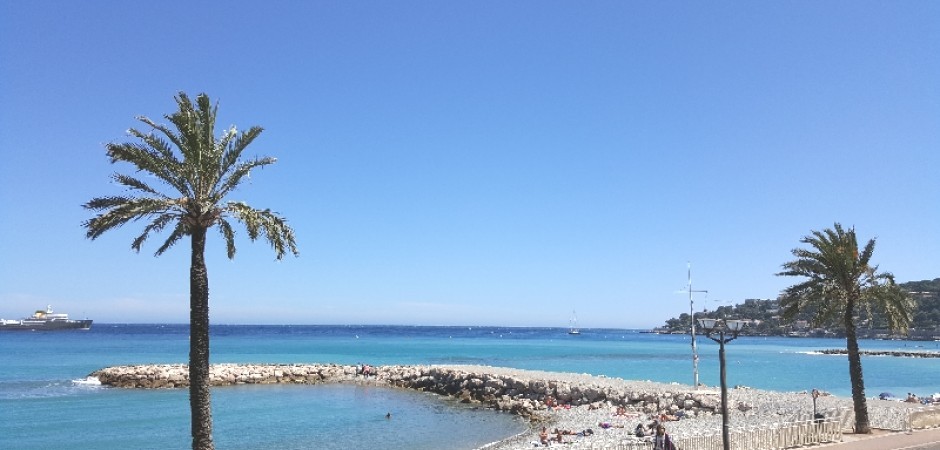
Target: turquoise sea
{"x":46,"y":403}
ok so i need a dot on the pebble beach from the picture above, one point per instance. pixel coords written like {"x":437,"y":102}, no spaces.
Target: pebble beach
{"x":748,"y":408}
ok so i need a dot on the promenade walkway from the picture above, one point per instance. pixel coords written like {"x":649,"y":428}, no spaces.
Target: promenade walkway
{"x":928,"y":439}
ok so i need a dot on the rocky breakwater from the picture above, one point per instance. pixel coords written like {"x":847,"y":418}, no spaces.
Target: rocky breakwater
{"x":156,"y":376}
{"x":523,"y":392}
{"x":894,"y":353}
{"x":529,"y":392}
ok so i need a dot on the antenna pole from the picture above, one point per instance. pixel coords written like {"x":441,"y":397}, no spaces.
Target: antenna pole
{"x":692,"y":330}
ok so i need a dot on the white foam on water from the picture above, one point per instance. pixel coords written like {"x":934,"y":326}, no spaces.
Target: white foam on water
{"x":87,"y":381}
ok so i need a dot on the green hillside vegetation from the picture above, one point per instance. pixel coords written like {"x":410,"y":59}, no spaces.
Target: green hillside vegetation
{"x":764,"y":318}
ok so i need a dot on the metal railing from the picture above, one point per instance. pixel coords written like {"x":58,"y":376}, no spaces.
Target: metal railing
{"x":773,"y":437}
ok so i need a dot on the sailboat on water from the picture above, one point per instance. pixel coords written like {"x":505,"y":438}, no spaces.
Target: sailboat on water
{"x":573,"y":324}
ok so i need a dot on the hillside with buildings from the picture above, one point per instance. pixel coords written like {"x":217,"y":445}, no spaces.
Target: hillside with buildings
{"x":763,"y":317}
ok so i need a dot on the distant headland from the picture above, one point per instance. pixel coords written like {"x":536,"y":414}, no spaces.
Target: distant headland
{"x":763,"y":318}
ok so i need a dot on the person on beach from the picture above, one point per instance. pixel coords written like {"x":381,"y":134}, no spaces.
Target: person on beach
{"x":667,"y":417}
{"x":543,"y":437}
{"x":640,"y":430}
{"x":662,"y":441}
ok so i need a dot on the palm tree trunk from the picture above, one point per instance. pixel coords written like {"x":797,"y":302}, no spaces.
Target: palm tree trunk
{"x":199,"y":395}
{"x":855,"y":372}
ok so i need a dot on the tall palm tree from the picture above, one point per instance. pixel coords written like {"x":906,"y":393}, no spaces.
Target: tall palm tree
{"x":841,"y":287}
{"x":196,"y":172}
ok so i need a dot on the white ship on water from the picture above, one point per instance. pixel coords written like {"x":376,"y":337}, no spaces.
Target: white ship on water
{"x":45,"y":320}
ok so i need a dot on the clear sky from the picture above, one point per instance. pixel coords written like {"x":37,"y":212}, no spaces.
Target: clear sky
{"x":476,"y":162}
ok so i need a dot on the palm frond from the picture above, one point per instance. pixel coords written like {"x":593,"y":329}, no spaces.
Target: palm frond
{"x":175,"y":173}
{"x":136,"y":184}
{"x":232,"y":149}
{"x":811,"y":295}
{"x":829,"y":301}
{"x":228,"y":235}
{"x":178,"y":232}
{"x":257,"y":222}
{"x":173,"y":137}
{"x":120,"y":210}
{"x":224,"y":142}
{"x":891,"y":302}
{"x":206,"y":116}
{"x":99,"y":203}
{"x":238,"y":173}
{"x":163,"y":152}
{"x":148,"y":160}
{"x":793,"y":300}
{"x":186,"y":121}
{"x":157,"y":225}
{"x":864,"y":258}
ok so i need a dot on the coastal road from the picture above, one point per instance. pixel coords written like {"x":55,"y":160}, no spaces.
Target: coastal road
{"x":918,"y":440}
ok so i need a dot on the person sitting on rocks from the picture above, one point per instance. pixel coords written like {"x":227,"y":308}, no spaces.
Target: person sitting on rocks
{"x":621,"y":411}
{"x":640,"y":430}
{"x":550,"y":402}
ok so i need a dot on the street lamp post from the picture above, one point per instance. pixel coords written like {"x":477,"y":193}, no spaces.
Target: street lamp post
{"x":720,"y":327}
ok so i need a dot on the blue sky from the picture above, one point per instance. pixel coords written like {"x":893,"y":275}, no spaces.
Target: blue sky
{"x":477,"y":163}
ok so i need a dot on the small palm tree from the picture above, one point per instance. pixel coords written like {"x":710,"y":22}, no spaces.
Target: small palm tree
{"x":841,"y":286}
{"x":197,"y":172}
